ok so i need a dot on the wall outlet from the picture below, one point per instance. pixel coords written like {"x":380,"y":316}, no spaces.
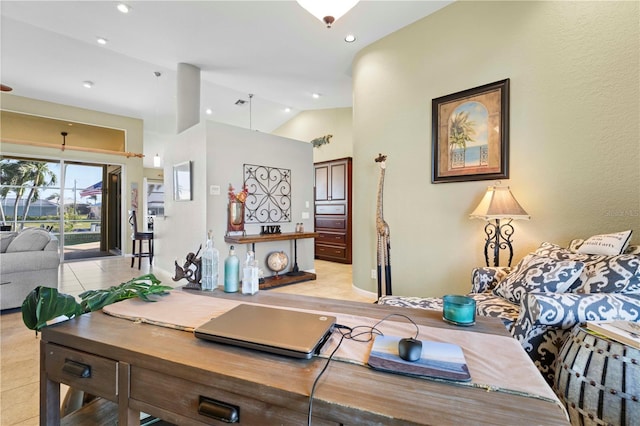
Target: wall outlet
{"x":374,"y":275}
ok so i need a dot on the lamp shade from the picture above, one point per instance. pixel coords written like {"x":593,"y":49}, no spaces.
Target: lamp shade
{"x":499,"y":203}
{"x":327,"y":11}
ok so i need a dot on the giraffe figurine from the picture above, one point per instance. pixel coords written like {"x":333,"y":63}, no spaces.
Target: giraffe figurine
{"x":384,"y":236}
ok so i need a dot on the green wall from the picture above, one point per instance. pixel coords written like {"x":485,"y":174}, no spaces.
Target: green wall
{"x":574,"y":138}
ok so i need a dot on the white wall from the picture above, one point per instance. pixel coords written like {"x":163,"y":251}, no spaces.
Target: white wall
{"x":575,"y":152}
{"x":218,"y":152}
{"x":312,"y":124}
{"x":228,"y":149}
{"x":183,"y":228}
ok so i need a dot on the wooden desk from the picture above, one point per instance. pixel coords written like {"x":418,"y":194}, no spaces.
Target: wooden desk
{"x":166,"y":373}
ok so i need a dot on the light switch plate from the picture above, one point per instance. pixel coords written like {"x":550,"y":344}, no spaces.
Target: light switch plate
{"x":305,"y":215}
{"x":214,"y":190}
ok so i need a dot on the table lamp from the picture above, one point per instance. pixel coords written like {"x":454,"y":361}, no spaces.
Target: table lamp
{"x":498,"y":203}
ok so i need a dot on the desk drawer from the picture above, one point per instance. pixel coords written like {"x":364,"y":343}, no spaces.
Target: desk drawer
{"x":332,"y":238}
{"x":339,"y":209}
{"x":332,"y":223}
{"x":90,"y":373}
{"x":179,"y":400}
{"x":330,"y":251}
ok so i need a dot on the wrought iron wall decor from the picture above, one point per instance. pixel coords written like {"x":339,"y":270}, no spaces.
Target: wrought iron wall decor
{"x":269,"y":197}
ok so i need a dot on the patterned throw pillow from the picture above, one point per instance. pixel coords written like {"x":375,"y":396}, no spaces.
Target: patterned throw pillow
{"x":601,"y":274}
{"x":540,"y":275}
{"x":606,"y":244}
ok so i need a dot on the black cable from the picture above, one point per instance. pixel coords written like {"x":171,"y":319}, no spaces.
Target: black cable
{"x":349,"y":334}
{"x":315,"y":382}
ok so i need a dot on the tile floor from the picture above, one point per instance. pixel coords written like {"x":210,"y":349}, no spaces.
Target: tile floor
{"x":19,"y":346}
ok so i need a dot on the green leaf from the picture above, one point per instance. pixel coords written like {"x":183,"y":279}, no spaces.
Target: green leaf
{"x":45,"y":303}
{"x":141,"y":287}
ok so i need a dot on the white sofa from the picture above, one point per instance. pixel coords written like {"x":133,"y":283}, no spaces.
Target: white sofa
{"x":28,"y":259}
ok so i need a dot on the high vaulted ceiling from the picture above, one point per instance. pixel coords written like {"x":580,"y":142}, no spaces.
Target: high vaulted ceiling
{"x":274,"y":50}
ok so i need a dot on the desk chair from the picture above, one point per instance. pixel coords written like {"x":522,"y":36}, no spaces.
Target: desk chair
{"x":140,"y":237}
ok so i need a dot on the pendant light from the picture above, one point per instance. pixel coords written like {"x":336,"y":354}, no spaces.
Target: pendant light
{"x":327,"y":11}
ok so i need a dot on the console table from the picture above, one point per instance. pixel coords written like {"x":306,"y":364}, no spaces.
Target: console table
{"x":172,"y":375}
{"x":292,"y":277}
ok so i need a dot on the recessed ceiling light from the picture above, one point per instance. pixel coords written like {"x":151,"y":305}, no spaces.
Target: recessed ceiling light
{"x":101,"y":40}
{"x":123,"y":8}
{"x":287,"y":109}
{"x":88,"y":84}
{"x":209,"y":111}
{"x":350,"y":38}
{"x":315,"y":95}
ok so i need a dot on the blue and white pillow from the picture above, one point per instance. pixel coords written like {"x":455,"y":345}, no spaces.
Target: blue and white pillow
{"x":538,"y":274}
{"x":601,"y":274}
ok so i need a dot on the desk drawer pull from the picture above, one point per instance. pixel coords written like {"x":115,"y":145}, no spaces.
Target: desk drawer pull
{"x":77,"y":369}
{"x":218,"y":410}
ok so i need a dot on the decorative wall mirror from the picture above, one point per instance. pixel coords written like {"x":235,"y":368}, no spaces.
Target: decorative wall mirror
{"x":182,"y":182}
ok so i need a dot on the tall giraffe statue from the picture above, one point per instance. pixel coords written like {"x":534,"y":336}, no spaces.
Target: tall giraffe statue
{"x":384,"y":236}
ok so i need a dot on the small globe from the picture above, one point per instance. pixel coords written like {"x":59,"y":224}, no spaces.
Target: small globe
{"x":277,"y":261}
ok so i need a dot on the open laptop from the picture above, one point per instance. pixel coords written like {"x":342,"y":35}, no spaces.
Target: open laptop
{"x":280,"y":331}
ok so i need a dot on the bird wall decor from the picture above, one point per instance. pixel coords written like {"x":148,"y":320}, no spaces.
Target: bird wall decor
{"x":318,"y":142}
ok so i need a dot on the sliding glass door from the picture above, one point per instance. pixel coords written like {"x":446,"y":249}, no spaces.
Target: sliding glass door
{"x":65,"y":198}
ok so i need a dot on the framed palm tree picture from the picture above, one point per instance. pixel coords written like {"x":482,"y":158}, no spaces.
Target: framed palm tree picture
{"x":470,"y":134}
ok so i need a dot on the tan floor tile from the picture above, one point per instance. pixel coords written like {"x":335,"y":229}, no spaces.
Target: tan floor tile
{"x":20,"y":404}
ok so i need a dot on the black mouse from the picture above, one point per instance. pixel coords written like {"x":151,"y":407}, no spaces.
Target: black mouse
{"x":410,"y":349}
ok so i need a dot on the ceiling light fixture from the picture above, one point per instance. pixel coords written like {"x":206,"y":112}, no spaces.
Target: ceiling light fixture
{"x":287,"y":109}
{"x":350,"y":38}
{"x":101,"y":40}
{"x":240,"y":102}
{"x":88,"y":84}
{"x":209,"y":111}
{"x":123,"y":8}
{"x":315,"y":95}
{"x":328,"y":11}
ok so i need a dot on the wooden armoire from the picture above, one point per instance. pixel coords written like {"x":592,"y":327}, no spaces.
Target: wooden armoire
{"x":333,"y":210}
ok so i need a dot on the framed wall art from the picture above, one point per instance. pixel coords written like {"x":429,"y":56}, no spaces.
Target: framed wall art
{"x":269,"y":194}
{"x":182,"y":182}
{"x":470,"y":134}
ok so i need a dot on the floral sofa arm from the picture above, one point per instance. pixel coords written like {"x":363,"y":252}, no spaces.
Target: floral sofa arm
{"x":485,"y":278}
{"x":546,"y":319}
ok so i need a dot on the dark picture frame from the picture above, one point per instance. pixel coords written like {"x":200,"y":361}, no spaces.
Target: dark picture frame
{"x":470,"y":134}
{"x":182,"y":182}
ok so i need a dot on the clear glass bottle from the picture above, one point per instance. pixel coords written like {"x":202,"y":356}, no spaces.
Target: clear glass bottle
{"x":250,"y":274}
{"x":210,"y":260}
{"x":231,"y":272}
